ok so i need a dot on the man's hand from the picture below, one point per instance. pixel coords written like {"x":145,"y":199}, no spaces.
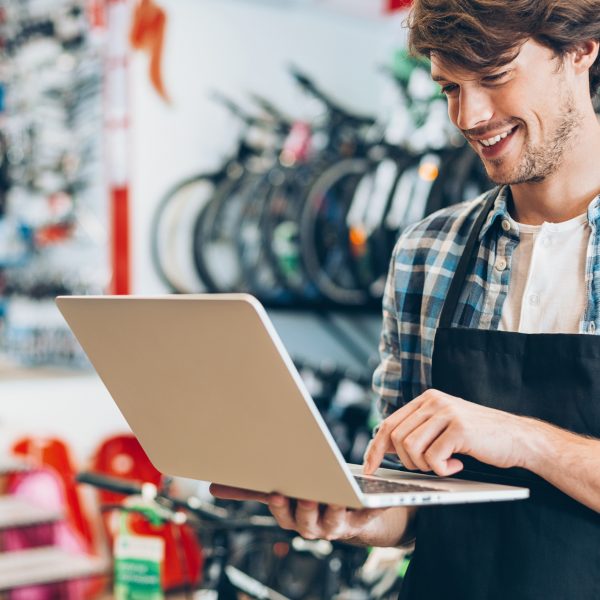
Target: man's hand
{"x":426,"y":432}
{"x":312,"y":521}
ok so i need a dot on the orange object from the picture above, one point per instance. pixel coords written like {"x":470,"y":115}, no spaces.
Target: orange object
{"x":122,"y":456}
{"x":147,"y":34}
{"x":429,"y":171}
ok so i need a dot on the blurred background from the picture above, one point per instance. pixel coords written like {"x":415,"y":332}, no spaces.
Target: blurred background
{"x":277,"y":147}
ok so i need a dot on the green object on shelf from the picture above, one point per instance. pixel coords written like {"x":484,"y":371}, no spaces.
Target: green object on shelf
{"x":137,"y":565}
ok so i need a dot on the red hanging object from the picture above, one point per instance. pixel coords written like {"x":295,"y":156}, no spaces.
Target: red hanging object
{"x":148,"y":34}
{"x":393,"y":5}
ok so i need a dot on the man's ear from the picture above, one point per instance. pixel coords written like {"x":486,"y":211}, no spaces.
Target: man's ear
{"x":585,"y":55}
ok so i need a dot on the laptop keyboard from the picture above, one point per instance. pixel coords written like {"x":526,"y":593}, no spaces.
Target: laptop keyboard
{"x":384,"y":486}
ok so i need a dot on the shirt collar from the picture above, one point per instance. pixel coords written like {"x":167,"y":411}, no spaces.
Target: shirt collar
{"x":500,"y":209}
{"x":593,"y":211}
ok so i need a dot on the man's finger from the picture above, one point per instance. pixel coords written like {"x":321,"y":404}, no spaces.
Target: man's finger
{"x":406,"y":430}
{"x":307,"y":517}
{"x":439,"y":455}
{"x":382,"y":443}
{"x":332,"y":518}
{"x":281,"y":509}
{"x":418,"y":441}
{"x":225,"y":492}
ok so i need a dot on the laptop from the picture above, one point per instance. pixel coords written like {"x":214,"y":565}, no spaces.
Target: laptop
{"x":209,"y":390}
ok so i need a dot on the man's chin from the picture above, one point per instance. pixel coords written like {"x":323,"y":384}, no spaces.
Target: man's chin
{"x":499,"y":178}
{"x":497,"y":174}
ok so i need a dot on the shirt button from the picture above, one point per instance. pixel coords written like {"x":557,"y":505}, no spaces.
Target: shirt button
{"x":534,"y":299}
{"x":546,"y":242}
{"x":501,"y":264}
{"x":592,"y":327}
{"x":506,"y":225}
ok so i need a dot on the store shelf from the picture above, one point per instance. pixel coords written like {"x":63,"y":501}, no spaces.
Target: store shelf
{"x":13,"y":370}
{"x":46,"y":565}
{"x":17,"y":512}
{"x":346,"y":339}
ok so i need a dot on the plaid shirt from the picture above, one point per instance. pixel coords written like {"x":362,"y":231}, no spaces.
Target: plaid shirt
{"x":423,"y":263}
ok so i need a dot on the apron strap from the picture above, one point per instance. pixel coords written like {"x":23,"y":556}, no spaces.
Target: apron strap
{"x":460,"y":275}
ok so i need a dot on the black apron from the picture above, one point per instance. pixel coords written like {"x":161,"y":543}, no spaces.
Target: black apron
{"x":546,"y":547}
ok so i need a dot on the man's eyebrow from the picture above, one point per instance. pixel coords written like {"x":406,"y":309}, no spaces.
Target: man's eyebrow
{"x":438,"y":78}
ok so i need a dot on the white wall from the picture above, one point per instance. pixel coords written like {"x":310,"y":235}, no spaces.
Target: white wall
{"x":76,"y":408}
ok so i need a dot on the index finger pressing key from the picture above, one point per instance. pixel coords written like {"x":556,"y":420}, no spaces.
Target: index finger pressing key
{"x":376,"y":449}
{"x":382,"y":443}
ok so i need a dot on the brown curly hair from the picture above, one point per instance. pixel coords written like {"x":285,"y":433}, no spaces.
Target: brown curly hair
{"x":483,"y":35}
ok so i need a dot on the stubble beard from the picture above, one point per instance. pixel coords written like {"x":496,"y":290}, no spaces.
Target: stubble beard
{"x":540,"y":161}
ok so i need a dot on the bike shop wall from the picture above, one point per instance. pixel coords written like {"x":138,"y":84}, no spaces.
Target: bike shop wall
{"x":234,"y":46}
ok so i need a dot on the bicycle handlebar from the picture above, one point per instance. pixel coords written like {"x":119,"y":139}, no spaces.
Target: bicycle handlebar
{"x":309,"y":86}
{"x":270,"y":109}
{"x":110,"y":484}
{"x":203,"y":511}
{"x":237,"y":111}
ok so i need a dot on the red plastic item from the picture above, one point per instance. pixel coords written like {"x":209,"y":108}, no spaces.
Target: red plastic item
{"x":122,"y":456}
{"x":393,"y":5}
{"x":52,"y":459}
{"x":54,"y":453}
{"x":45,"y":488}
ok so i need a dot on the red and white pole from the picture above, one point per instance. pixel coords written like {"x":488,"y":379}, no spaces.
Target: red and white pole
{"x":116,"y":106}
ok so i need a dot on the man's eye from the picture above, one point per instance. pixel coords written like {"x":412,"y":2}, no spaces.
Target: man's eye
{"x":495,"y":77}
{"x":448,"y":89}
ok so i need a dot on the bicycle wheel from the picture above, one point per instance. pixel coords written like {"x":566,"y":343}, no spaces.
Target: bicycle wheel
{"x":281,"y":238}
{"x":257,"y":270}
{"x":370,"y":239}
{"x":215,"y":246}
{"x":325,"y":236}
{"x":172,"y":231}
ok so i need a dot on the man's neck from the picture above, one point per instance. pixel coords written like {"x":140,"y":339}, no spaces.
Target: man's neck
{"x":567,"y":192}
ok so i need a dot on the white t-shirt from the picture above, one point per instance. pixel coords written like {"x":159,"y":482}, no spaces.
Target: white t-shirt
{"x":547,"y":291}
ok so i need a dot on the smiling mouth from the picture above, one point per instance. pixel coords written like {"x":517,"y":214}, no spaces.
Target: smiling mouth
{"x":492,"y":141}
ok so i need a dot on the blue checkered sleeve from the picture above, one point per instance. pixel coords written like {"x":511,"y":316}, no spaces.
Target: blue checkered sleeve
{"x":424,"y":260}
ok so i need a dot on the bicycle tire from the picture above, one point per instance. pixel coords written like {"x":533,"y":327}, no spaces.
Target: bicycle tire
{"x":281,"y":231}
{"x":171,"y":249}
{"x":337,"y":281}
{"x":214,"y":247}
{"x":259,"y":276}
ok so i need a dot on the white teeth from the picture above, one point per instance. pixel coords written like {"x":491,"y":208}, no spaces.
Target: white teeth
{"x":493,"y":141}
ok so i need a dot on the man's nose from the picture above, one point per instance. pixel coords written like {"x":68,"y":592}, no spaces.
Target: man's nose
{"x":474,"y":109}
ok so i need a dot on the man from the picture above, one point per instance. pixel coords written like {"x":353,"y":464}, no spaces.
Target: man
{"x":488,"y":359}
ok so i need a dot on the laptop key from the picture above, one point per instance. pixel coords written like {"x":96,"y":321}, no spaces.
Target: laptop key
{"x":385,"y":486}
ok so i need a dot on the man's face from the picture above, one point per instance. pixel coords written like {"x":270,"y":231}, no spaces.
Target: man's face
{"x":519,"y":119}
